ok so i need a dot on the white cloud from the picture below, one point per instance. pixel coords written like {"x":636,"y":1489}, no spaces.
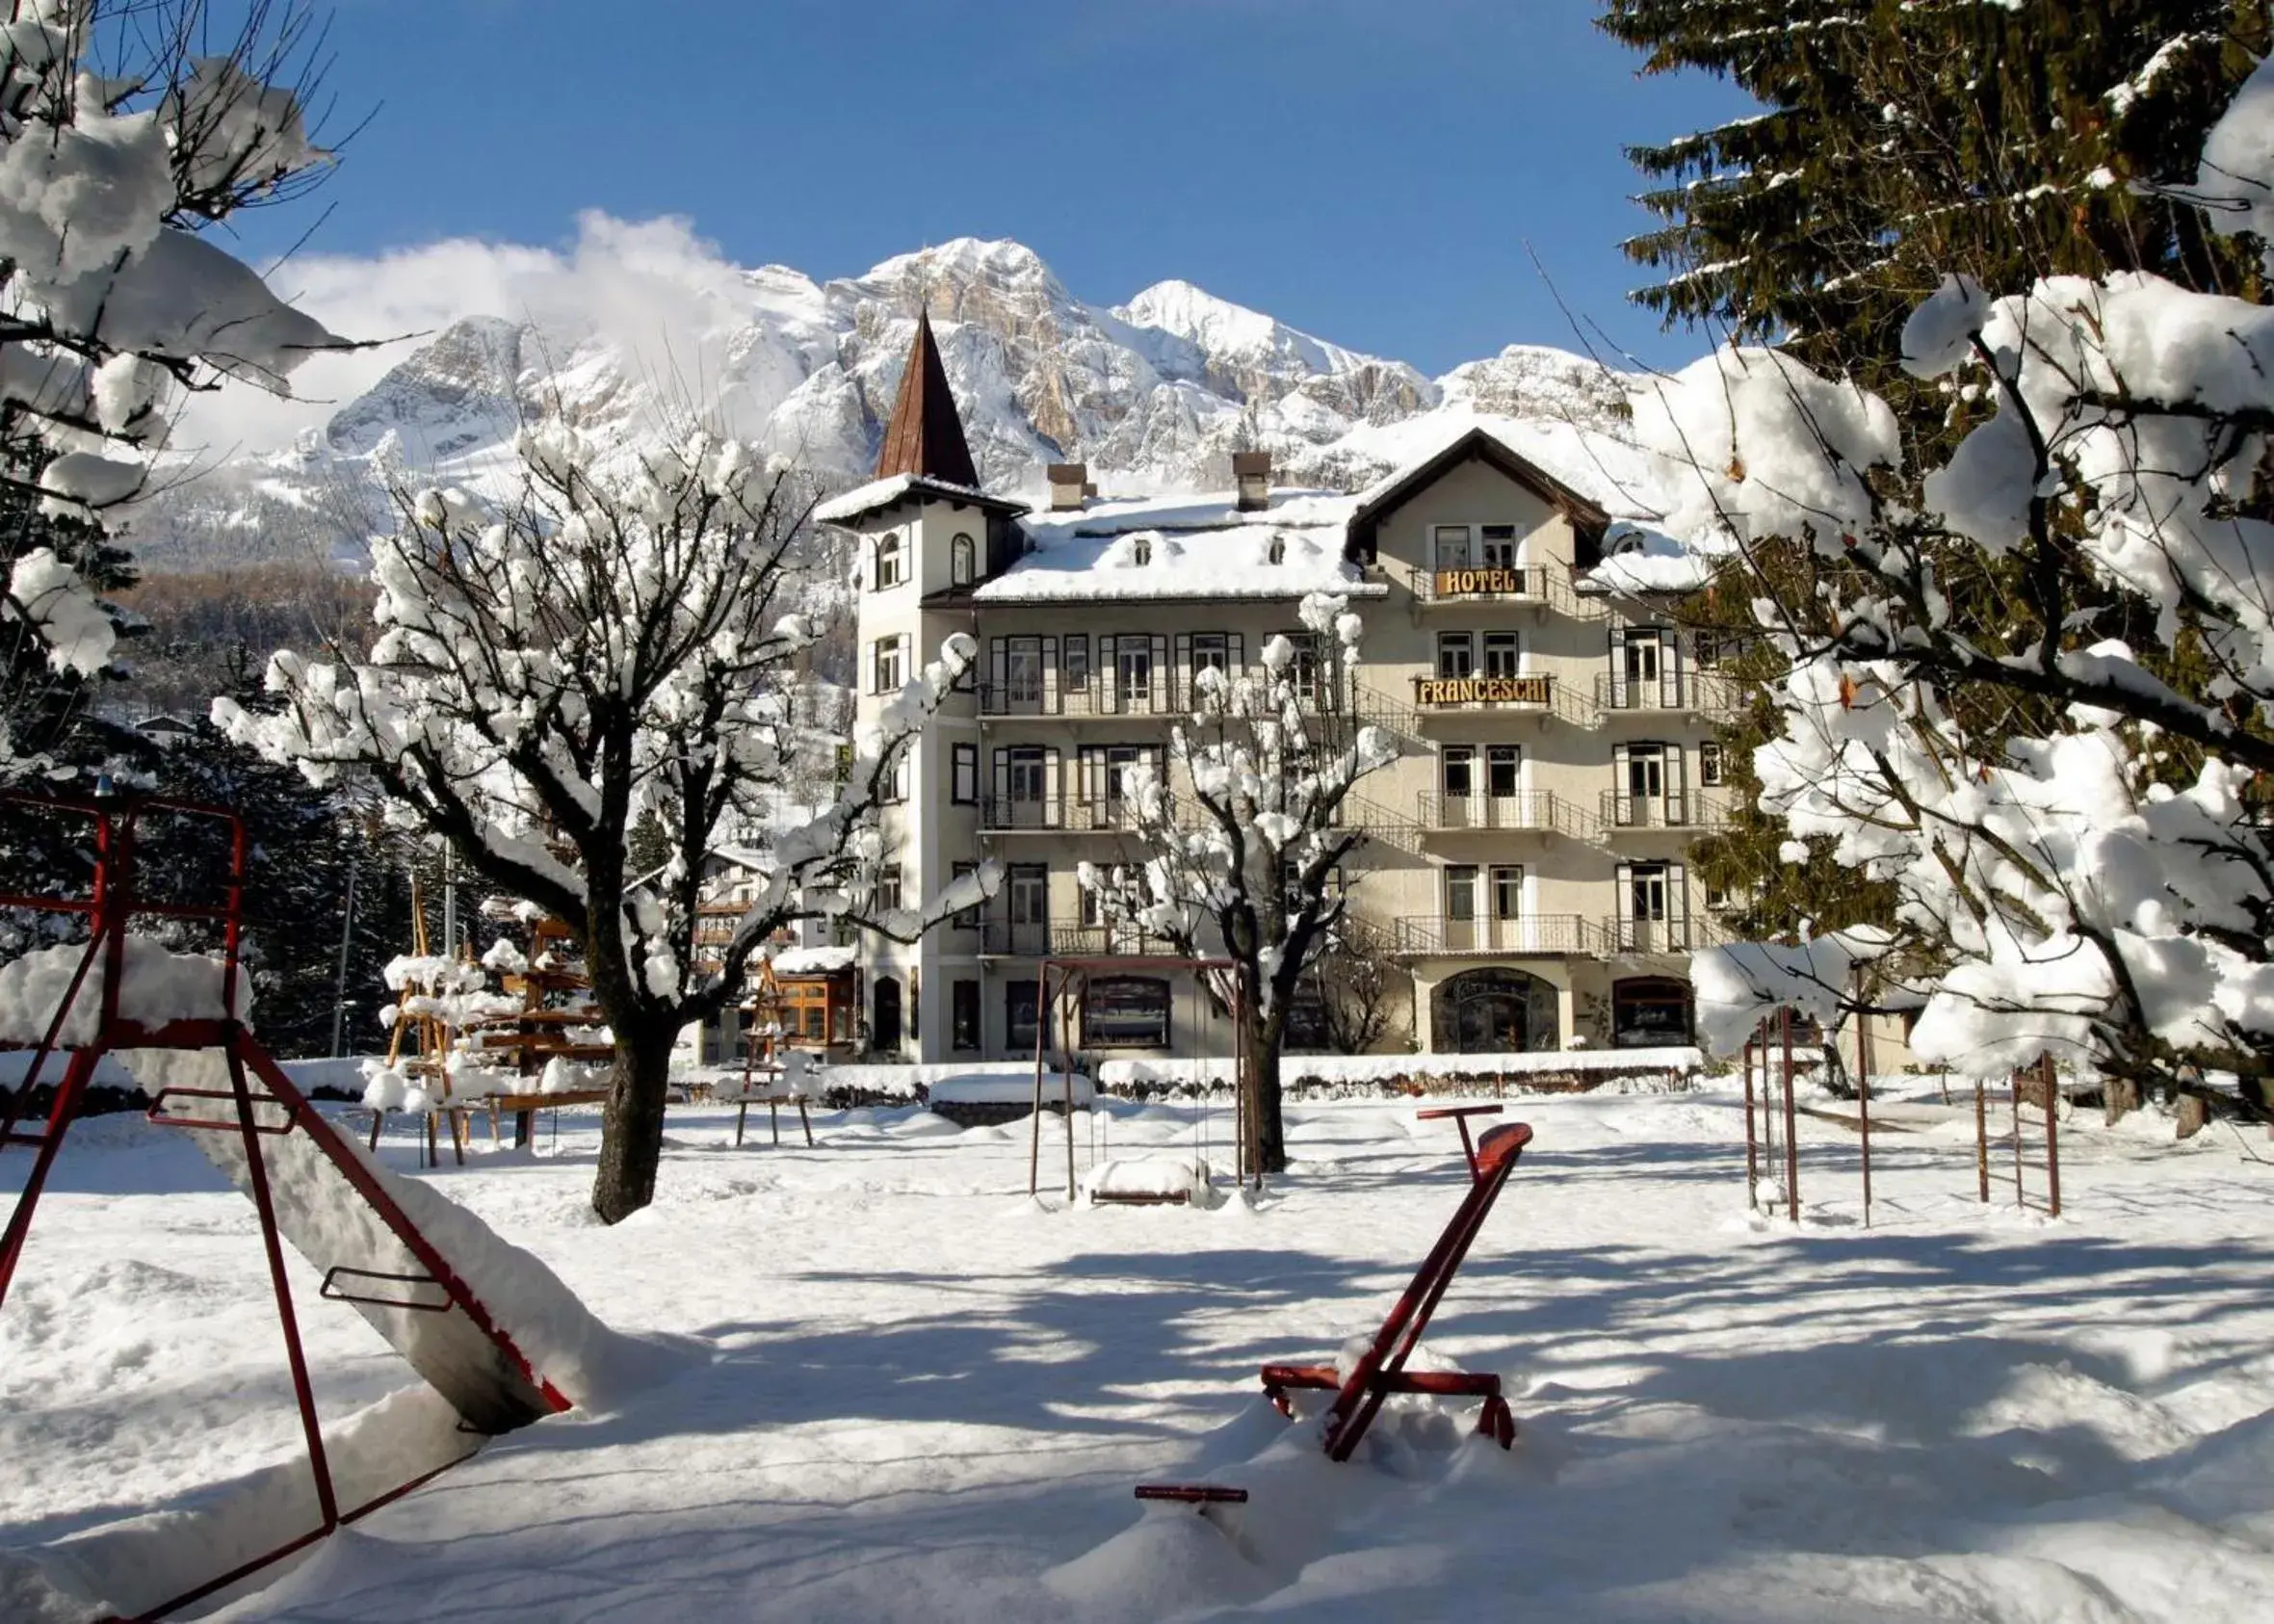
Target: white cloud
{"x":657,"y":290}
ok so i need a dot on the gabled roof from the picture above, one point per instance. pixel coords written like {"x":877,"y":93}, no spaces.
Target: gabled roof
{"x":1589,"y":520}
{"x":925,"y":438}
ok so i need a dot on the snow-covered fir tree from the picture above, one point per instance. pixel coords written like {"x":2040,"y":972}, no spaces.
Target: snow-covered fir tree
{"x":2072,"y":812}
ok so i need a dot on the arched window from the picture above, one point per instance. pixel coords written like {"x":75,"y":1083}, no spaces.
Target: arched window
{"x":890,"y":564}
{"x":962,"y":561}
{"x":1493,"y":1011}
{"x":884,"y":1021}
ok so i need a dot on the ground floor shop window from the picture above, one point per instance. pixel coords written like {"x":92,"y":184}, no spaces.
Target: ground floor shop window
{"x":1493,"y":1011}
{"x":1650,"y":1013}
{"x":1125,"y":1012}
{"x":1022,"y":1016}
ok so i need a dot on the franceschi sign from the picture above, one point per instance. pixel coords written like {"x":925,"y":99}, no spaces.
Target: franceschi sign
{"x":1482,"y":691}
{"x":1480,"y":583}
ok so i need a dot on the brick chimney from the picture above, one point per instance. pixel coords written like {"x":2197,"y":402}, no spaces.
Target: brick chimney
{"x":1068,"y":485}
{"x":1251,"y":471}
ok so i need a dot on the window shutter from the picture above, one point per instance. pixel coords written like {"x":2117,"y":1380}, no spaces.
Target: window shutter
{"x":1162,"y":676}
{"x":1626,"y":905}
{"x":1669,"y":668}
{"x":1109,"y":676}
{"x":998,"y":665}
{"x":1053,"y":777}
{"x":1235,"y":652}
{"x":1622,"y":781}
{"x":1677,"y":894}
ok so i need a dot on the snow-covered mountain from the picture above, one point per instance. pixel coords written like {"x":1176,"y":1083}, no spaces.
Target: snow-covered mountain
{"x":1152,"y":393}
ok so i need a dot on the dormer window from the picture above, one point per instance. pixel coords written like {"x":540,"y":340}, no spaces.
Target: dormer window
{"x":889,"y":561}
{"x":1140,"y":552}
{"x":962,"y":561}
{"x":1278,"y":550}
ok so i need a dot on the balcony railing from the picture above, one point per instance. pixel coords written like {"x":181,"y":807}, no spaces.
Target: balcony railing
{"x":1015,"y":939}
{"x":1100,"y":941}
{"x":1660,"y":935}
{"x":1684,"y":809}
{"x":1538,"y":810}
{"x":1066,"y":814}
{"x":1707,"y":693}
{"x":1489,"y":583}
{"x":1168,"y":693}
{"x":1534,"y":933}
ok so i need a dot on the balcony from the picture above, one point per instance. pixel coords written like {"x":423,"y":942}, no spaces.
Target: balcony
{"x":1685,"y":810}
{"x":1530,"y":586}
{"x":1699,"y":693}
{"x":1049,"y":697}
{"x":1533,"y":811}
{"x":1421,"y":936}
{"x":1623,"y":937}
{"x":1005,"y":814}
{"x":1007,"y":938}
{"x":1540,"y":694}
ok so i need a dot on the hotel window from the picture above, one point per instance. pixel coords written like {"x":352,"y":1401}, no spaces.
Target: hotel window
{"x":1460,"y":893}
{"x":1452,"y":544}
{"x":963,"y":779}
{"x":1029,"y":886}
{"x":1022,"y":670}
{"x":888,"y":890}
{"x":965,"y":919}
{"x":1499,"y":770}
{"x":895,"y":788}
{"x":1024,"y":771}
{"x":1134,"y":671}
{"x":1074,"y":661}
{"x":1456,"y":654}
{"x":1646,"y":772}
{"x":1647,"y":888}
{"x":962,"y":561}
{"x":1709,"y":763}
{"x":1500,"y":654}
{"x":888,"y":659}
{"x":963,"y":1015}
{"x":889,"y":559}
{"x":1508,"y":890}
{"x":1211,"y":652}
{"x":1460,"y":771}
{"x":1496,"y":548}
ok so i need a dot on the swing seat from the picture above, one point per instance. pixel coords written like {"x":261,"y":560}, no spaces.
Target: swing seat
{"x":1360,"y":1393}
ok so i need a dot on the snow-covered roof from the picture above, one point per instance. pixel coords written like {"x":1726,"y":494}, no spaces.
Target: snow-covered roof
{"x":1637,"y":559}
{"x":878,"y":495}
{"x":812,"y":960}
{"x":1184,"y":547}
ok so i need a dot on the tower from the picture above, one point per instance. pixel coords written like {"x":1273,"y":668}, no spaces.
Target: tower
{"x":928,"y":537}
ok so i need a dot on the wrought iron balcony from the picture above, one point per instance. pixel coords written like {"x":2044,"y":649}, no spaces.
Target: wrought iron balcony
{"x":1703,"y":692}
{"x":1660,"y":935}
{"x":1684,"y":809}
{"x":1538,"y":810}
{"x":1015,"y":938}
{"x":1102,"y":814}
{"x":1419,"y":935}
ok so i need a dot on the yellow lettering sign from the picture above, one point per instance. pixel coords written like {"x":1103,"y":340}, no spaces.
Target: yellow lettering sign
{"x":1482,"y":691}
{"x":1480,"y":583}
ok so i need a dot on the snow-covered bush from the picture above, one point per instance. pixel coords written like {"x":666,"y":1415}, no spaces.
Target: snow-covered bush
{"x":1242,"y":832}
{"x":124,"y":130}
{"x":2031,"y":664}
{"x":612,"y":655}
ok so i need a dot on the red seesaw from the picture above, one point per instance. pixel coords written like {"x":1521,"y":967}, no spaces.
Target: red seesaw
{"x":1381,"y":1372}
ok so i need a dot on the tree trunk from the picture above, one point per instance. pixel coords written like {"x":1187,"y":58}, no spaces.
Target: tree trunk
{"x":1264,"y":1040}
{"x":2120,"y":1097}
{"x":632,"y":1122}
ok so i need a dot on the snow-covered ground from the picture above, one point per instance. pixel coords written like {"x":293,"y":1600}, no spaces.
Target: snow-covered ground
{"x":911,"y":1393}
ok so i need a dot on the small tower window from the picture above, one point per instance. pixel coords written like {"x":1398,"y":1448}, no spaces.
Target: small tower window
{"x":889,"y":561}
{"x":1278,"y":552}
{"x":1140,"y":552}
{"x":962,"y":561}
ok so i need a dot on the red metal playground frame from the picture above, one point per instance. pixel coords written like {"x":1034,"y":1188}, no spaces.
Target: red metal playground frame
{"x":274,"y":1110}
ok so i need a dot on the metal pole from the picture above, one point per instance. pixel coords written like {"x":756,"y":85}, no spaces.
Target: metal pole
{"x":1035,"y":1116}
{"x":449,"y":904}
{"x":2013,"y":1090}
{"x":339,"y":1002}
{"x":1066,"y":1075}
{"x":1982,"y":1139}
{"x":1863,"y":1090}
{"x":1791,"y":1128}
{"x":1752,"y":1152}
{"x":2053,"y":1141}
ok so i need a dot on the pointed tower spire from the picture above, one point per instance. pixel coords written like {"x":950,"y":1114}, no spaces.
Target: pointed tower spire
{"x":925,"y":437}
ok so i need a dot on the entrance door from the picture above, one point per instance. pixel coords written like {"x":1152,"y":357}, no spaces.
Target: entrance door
{"x":885,"y":1024}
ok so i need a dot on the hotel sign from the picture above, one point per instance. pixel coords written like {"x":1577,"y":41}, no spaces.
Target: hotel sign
{"x":1482,"y":691}
{"x":1480,"y":583}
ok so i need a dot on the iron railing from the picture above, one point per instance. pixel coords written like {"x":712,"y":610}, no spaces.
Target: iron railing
{"x":1417,"y":934}
{"x":1540,"y":810}
{"x":1706,"y":692}
{"x":1678,"y":809}
{"x":1660,"y":935}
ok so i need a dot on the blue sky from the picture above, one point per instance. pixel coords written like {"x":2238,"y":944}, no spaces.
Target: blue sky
{"x":1370,"y":170}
